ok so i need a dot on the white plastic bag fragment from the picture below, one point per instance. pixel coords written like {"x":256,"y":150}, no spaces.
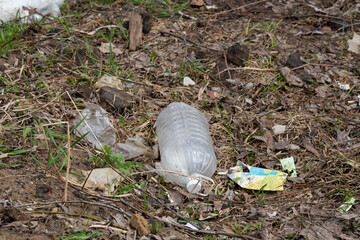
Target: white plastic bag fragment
{"x":102,"y":128}
{"x":24,"y":9}
{"x":278,"y":129}
{"x":188,"y":81}
{"x":345,"y":86}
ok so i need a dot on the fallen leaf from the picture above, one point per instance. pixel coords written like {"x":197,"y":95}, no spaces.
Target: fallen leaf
{"x":197,"y":3}
{"x":119,"y":220}
{"x":308,"y":146}
{"x":291,"y":79}
{"x":111,"y":81}
{"x":268,"y":138}
{"x":105,"y":48}
{"x":354,"y":43}
{"x":139,"y":223}
{"x":213,"y":94}
{"x":218,"y":205}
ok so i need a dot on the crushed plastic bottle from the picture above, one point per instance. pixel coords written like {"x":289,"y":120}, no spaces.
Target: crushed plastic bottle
{"x":99,"y":122}
{"x":97,"y":119}
{"x":185,"y":146}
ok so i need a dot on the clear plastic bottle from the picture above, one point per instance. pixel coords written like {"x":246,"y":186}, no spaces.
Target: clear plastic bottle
{"x":185,"y":146}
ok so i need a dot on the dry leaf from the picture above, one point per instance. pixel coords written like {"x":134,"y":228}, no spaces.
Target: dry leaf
{"x":291,"y":79}
{"x":197,"y":3}
{"x":105,"y":48}
{"x":307,"y":144}
{"x":218,"y":205}
{"x":139,"y":223}
{"x":354,"y":43}
{"x":111,"y":81}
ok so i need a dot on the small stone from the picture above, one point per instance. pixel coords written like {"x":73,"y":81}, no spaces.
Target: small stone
{"x":238,"y":54}
{"x":326,"y":29}
{"x":85,"y":90}
{"x":139,"y":223}
{"x":200,"y":55}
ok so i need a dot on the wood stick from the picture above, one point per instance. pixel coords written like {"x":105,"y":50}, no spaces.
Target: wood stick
{"x":135,"y":31}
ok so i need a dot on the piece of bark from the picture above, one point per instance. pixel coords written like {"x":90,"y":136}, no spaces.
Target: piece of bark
{"x":139,"y":223}
{"x":115,"y":98}
{"x":135,"y":31}
{"x":238,"y":54}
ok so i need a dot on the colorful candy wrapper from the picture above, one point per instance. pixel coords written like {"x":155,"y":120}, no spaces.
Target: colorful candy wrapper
{"x":257,"y":178}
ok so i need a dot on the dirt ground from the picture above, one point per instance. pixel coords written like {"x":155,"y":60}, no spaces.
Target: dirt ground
{"x":255,"y":65}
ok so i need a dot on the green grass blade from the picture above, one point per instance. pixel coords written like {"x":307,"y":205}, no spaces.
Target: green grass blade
{"x":18,"y":152}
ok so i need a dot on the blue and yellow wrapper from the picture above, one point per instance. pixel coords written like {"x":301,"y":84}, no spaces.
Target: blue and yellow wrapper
{"x":258,"y":178}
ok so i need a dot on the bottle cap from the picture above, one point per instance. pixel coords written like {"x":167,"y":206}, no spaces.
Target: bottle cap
{"x":193,"y":186}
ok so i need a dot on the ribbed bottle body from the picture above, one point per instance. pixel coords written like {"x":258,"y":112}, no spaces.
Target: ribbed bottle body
{"x":185,"y":142}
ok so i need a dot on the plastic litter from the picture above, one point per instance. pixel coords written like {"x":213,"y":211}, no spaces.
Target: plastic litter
{"x":188,"y":81}
{"x":134,"y":147}
{"x":189,"y":225}
{"x":98,"y":120}
{"x":345,"y":86}
{"x":102,"y":128}
{"x":185,"y":146}
{"x":278,"y":129}
{"x":346,"y":206}
{"x":21,"y":8}
{"x":222,"y":213}
{"x":257,"y":178}
{"x":289,"y":165}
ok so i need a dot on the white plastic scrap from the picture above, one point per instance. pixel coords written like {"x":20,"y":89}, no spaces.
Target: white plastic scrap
{"x":249,"y":101}
{"x":189,"y":225}
{"x":278,"y":129}
{"x":344,"y":86}
{"x":22,"y":8}
{"x":188,"y":81}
